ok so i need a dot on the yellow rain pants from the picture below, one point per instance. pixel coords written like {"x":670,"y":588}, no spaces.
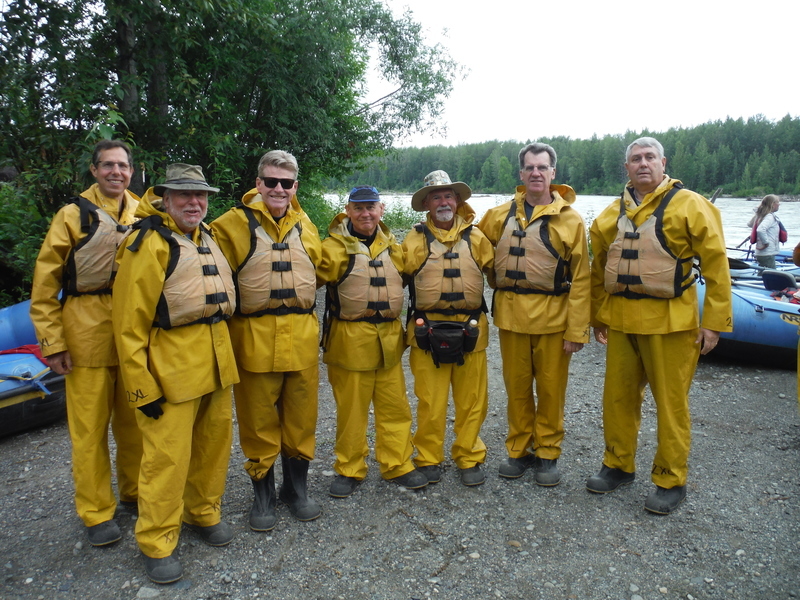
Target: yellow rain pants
{"x":184,"y":467}
{"x":667,"y":362}
{"x":470,"y":400}
{"x":95,"y":398}
{"x":276,"y":412}
{"x":534,"y":426}
{"x":386,"y":390}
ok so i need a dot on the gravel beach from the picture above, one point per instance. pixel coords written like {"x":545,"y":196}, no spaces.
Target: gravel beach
{"x":737,"y":535}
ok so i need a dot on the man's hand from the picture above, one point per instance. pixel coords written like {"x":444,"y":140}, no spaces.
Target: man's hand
{"x":601,"y":335}
{"x":571,"y":347}
{"x":707,"y":339}
{"x":60,"y":363}
{"x":153,"y":409}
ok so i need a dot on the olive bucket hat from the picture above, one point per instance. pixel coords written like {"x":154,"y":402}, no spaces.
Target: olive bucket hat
{"x":181,"y":176}
{"x":435,"y":181}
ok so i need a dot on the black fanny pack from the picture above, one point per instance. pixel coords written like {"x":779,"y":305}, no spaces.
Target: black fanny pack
{"x":447,"y":341}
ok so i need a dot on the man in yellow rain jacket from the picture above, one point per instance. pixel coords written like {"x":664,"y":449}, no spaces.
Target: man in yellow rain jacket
{"x":362,"y":266}
{"x":174,"y":294}
{"x":541,"y":307}
{"x":445,"y":258}
{"x":644,"y":306}
{"x":273,"y":249}
{"x":77,"y":340}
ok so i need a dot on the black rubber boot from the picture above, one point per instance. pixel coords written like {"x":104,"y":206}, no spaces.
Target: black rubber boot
{"x":294,"y":491}
{"x":262,"y":515}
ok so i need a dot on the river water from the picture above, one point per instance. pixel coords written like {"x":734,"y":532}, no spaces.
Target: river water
{"x":736,"y":212}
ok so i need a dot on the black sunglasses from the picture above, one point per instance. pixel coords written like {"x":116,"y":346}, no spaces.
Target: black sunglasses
{"x":272,"y":182}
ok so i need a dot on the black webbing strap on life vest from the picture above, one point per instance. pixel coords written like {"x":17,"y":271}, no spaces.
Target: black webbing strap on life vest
{"x":562,"y":280}
{"x":253,"y":224}
{"x":446,"y":297}
{"x":680,"y":282}
{"x":90,"y":221}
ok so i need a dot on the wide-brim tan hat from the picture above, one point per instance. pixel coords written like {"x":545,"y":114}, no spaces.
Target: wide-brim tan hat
{"x":181,"y":176}
{"x":435,"y":181}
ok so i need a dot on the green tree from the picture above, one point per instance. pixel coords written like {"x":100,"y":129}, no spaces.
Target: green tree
{"x":506,"y":177}
{"x":212,"y":82}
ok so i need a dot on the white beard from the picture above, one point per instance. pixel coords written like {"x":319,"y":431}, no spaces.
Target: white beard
{"x":444,"y":214}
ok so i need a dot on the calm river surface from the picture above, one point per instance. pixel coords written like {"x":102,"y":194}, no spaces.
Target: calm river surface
{"x":735,"y":213}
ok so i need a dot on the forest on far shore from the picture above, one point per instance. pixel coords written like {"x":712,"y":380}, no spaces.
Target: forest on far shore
{"x":750,"y":157}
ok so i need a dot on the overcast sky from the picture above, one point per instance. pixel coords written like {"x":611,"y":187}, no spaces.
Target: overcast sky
{"x":582,"y":67}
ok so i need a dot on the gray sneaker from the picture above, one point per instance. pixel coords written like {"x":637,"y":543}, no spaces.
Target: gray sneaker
{"x":662,"y":501}
{"x":473,"y":476}
{"x":163,"y":570}
{"x":546,"y":472}
{"x":104,"y":533}
{"x":608,"y":479}
{"x":413,"y":480}
{"x":513,"y":468}
{"x":343,"y":486}
{"x":432,"y":472}
{"x":220,"y":534}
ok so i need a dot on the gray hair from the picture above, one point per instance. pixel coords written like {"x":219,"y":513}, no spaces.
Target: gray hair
{"x":645,"y":142}
{"x":280,"y":159}
{"x":538,"y":148}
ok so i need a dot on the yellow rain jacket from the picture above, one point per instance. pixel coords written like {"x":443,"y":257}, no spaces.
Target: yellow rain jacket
{"x":270,"y":343}
{"x":541,"y":313}
{"x":359,"y":345}
{"x":692,"y":227}
{"x":82,"y":324}
{"x":179,"y":364}
{"x":415,"y":252}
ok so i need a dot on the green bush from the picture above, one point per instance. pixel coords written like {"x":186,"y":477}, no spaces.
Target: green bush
{"x":22,"y":229}
{"x":401,"y":216}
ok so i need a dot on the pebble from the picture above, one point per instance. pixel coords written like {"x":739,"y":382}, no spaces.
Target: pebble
{"x":29,"y":580}
{"x":529,"y":527}
{"x":474,"y":555}
{"x":634,"y":588}
{"x":739,"y":552}
{"x":514,"y":543}
{"x":146,"y":592}
{"x":663,"y":590}
{"x":227,"y":579}
{"x":781,"y":395}
{"x":636,"y":597}
{"x":126,"y":585}
{"x":327,"y":473}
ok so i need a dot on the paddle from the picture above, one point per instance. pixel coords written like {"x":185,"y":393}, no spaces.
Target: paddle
{"x":735,"y":263}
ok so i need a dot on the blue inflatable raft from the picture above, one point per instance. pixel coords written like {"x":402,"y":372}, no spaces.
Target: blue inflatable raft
{"x":759,"y":319}
{"x":30,"y":394}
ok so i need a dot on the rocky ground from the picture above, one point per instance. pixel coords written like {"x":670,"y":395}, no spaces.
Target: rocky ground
{"x":735,"y":537}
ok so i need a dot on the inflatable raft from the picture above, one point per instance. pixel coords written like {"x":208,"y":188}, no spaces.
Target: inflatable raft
{"x":30,"y":394}
{"x":761,"y":320}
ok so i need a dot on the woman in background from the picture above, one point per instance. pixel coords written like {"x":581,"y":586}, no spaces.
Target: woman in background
{"x":767,"y":227}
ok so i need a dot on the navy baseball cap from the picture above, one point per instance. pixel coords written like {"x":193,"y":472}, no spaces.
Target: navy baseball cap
{"x":364,"y":193}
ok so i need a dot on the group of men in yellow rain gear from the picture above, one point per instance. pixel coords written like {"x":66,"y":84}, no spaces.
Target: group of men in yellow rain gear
{"x":199,"y":311}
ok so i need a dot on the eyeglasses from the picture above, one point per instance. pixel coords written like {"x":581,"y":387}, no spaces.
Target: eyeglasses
{"x":108,"y":165}
{"x":540,"y":168}
{"x":272,"y":182}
